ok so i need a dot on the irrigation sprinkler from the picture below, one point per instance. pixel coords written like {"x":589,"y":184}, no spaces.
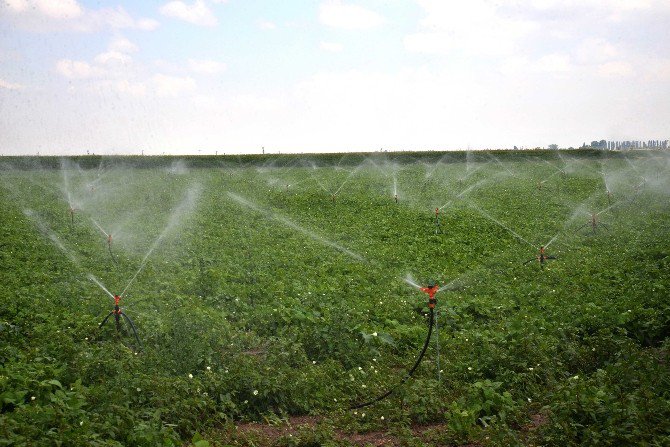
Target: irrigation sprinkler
{"x":72,"y":211}
{"x":609,"y":197}
{"x":118,"y":314}
{"x":432,"y":289}
{"x":109,"y":246}
{"x":541,"y":257}
{"x":395,"y":197}
{"x":333,"y":197}
{"x":438,"y":228}
{"x":593,"y":221}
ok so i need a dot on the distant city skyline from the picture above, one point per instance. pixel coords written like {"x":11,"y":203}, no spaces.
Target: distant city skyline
{"x":234,"y":76}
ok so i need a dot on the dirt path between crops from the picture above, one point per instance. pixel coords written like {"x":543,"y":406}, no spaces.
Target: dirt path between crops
{"x":268,"y":434}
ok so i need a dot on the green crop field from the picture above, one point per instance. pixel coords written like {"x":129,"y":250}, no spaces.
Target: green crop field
{"x":271,"y":294}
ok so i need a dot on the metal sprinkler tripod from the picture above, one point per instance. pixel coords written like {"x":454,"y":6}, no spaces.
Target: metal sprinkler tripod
{"x":118,"y":314}
{"x":72,"y":210}
{"x":541,"y":257}
{"x":594,"y":223}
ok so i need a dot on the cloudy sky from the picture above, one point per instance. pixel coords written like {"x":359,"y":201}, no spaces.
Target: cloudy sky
{"x":199,"y":76}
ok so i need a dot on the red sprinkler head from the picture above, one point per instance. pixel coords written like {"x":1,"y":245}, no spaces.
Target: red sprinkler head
{"x":431,"y":291}
{"x":117,"y":298}
{"x":109,"y":239}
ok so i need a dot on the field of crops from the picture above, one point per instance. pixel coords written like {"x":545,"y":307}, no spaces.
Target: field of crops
{"x":271,"y":294}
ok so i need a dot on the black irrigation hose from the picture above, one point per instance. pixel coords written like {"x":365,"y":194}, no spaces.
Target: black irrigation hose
{"x":132,"y":325}
{"x":409,"y":373}
{"x":111,"y":254}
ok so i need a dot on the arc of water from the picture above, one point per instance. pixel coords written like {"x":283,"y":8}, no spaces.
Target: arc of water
{"x":186,"y":204}
{"x":44,"y":229}
{"x":347,"y":179}
{"x":462,"y":193}
{"x":289,"y":223}
{"x":99,"y":227}
{"x":502,"y":225}
{"x":497,"y":160}
{"x":95,"y":280}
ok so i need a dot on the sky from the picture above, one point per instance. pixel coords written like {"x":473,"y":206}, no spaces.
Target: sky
{"x":237,"y":76}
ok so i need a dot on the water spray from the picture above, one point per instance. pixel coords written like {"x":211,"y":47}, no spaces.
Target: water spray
{"x":109,"y":246}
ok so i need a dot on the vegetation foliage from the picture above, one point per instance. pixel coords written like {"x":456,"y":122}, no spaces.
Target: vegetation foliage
{"x":270,"y":287}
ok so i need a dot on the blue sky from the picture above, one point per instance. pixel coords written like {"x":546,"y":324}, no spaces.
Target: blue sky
{"x":205,"y":76}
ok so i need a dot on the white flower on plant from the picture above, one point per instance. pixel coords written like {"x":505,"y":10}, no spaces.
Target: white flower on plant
{"x":209,"y":368}
{"x":374,"y":334}
{"x":469,"y":368}
{"x":530,"y":369}
{"x":382,"y":418}
{"x":32,"y":398}
{"x":313,"y":362}
{"x":255,"y":392}
{"x":190,"y":376}
{"x":138,"y":389}
{"x":529,"y":399}
{"x":364,"y":386}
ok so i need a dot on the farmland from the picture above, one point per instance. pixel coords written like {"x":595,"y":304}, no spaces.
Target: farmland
{"x":268,"y":290}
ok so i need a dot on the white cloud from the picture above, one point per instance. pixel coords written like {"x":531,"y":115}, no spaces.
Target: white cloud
{"x":122,"y":45}
{"x":205,"y":66}
{"x":266,"y":25}
{"x":112,"y":57}
{"x":474,"y":27}
{"x":130,"y":88}
{"x":554,"y":63}
{"x":337,"y":14}
{"x":331,"y":47}
{"x":68,"y":15}
{"x":78,"y":69}
{"x":172,"y":86}
{"x":615,"y":69}
{"x":63,"y":9}
{"x":10,"y":85}
{"x":594,"y":50}
{"x":197,"y":13}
